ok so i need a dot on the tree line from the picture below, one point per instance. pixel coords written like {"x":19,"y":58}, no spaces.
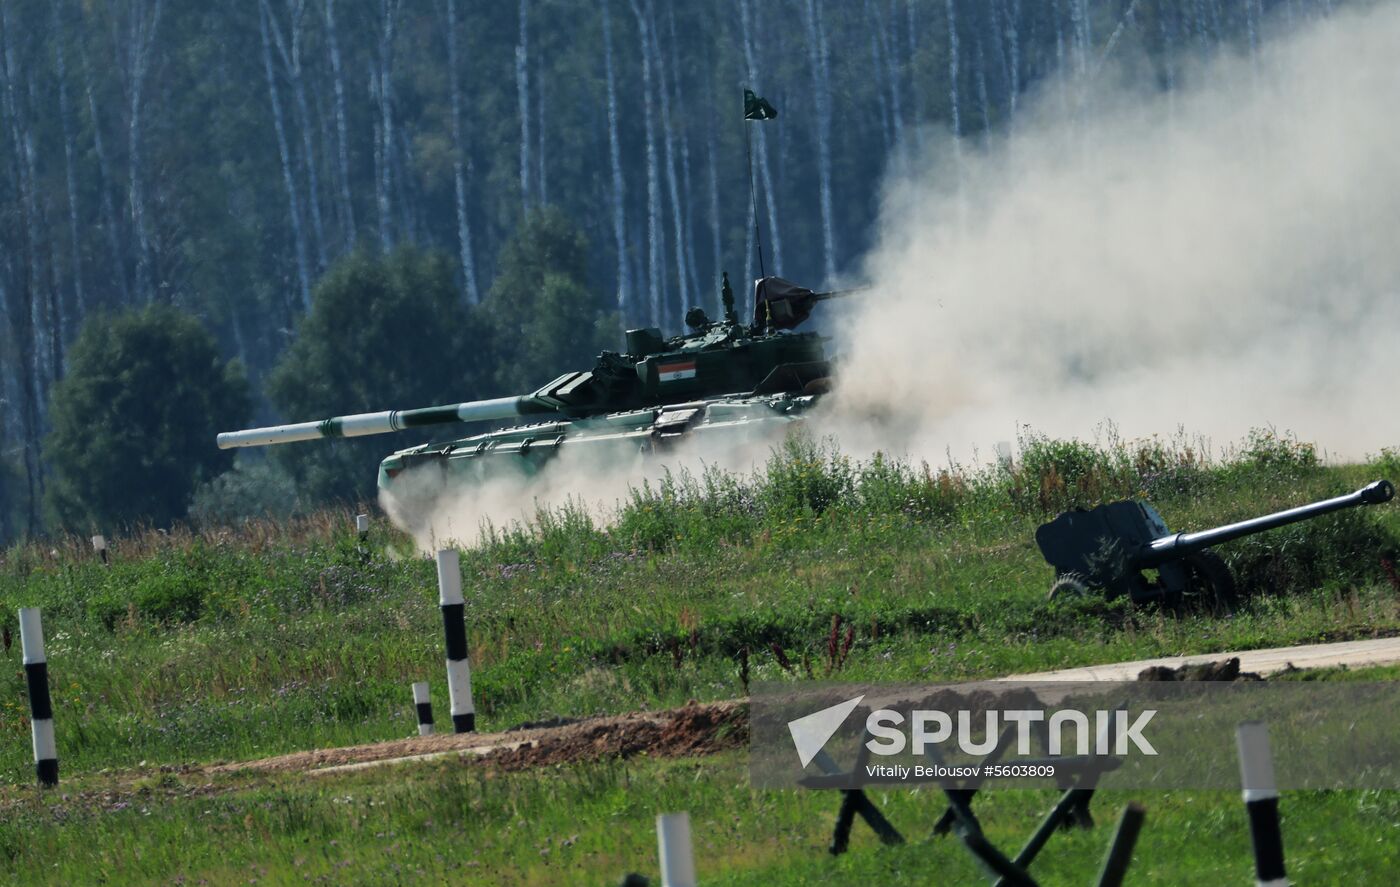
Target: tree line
{"x":222,"y":158}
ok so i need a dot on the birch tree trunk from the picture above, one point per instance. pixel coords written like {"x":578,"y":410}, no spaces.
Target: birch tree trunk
{"x":347,"y":206}
{"x":996,"y":11}
{"x":953,"y":51}
{"x":24,"y":313}
{"x":1079,"y":18}
{"x":383,"y":83}
{"x":542,"y":182}
{"x":1013,"y":41}
{"x":522,"y":91}
{"x":669,"y":144}
{"x":715,"y":242}
{"x":916,"y":96}
{"x":284,"y":153}
{"x":877,"y":64}
{"x":289,"y":51}
{"x":654,"y":234}
{"x":65,"y":114}
{"x":818,"y":58}
{"x":1168,"y":65}
{"x":104,"y":183}
{"x":982,"y":98}
{"x":141,"y":33}
{"x":409,"y":205}
{"x":33,"y":343}
{"x":619,"y":183}
{"x":889,"y":42}
{"x":459,"y":172}
{"x":55,"y":319}
{"x":1061,"y":61}
{"x":687,"y":203}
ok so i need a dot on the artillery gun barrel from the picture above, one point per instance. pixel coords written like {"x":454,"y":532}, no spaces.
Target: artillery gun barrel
{"x":1179,"y":544}
{"x":385,"y":422}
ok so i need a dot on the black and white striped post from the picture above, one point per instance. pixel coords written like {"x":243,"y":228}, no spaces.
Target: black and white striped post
{"x":424,"y":704}
{"x":675,"y":849}
{"x":36,"y":676}
{"x":1261,"y":801}
{"x":99,"y":545}
{"x":454,"y":627}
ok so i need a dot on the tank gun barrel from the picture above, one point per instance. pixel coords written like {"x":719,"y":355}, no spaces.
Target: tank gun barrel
{"x":1178,"y":544}
{"x":386,"y":422}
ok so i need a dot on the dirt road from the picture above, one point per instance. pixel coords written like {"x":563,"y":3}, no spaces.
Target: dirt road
{"x":699,"y":729}
{"x":1352,"y":654}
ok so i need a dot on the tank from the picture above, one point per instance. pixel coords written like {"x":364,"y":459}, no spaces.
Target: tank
{"x":722,"y":378}
{"x":1108,"y":547}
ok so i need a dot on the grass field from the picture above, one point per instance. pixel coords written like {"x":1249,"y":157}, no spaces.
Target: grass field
{"x":230,"y":644}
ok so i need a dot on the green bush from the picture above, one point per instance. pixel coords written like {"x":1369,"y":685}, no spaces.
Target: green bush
{"x":1055,"y":475}
{"x":1266,"y":449}
{"x":1169,"y":469}
{"x":890,"y":486}
{"x":1388,"y":463}
{"x":249,"y":490}
{"x":135,"y":418}
{"x":338,"y":363}
{"x":168,"y":597}
{"x":718,"y":508}
{"x":806,"y":477}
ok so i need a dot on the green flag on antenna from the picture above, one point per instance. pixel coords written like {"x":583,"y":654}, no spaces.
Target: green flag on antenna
{"x":756,"y":108}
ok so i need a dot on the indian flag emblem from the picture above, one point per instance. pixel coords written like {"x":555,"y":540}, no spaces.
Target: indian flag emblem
{"x":674,"y":372}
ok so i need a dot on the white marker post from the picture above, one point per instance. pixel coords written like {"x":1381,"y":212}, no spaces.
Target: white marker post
{"x":424,"y":704}
{"x":454,"y":627}
{"x":36,"y":676}
{"x":362,"y":526}
{"x":677,"y":854}
{"x":1261,"y":801}
{"x":99,"y":545}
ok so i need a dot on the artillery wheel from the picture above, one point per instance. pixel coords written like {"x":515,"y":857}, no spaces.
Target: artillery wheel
{"x":1069,"y":586}
{"x":1210,"y":587}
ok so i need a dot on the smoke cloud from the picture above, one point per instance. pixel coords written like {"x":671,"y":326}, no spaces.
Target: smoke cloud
{"x":1222,"y":257}
{"x":592,"y":480}
{"x":1215,"y":258}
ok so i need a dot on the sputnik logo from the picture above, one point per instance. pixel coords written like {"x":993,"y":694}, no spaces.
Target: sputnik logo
{"x":811,"y":732}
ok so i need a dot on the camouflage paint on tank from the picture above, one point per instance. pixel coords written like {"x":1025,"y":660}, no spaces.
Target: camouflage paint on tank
{"x":723,"y":377}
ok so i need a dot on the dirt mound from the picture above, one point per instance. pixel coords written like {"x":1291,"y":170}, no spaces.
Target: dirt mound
{"x":1222,"y":670}
{"x":693,"y":730}
{"x":696,"y":729}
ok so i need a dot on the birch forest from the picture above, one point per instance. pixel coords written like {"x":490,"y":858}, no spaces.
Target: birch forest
{"x":220,"y":157}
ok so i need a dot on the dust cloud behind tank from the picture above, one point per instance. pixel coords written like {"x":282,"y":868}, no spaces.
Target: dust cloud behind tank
{"x":720,"y":385}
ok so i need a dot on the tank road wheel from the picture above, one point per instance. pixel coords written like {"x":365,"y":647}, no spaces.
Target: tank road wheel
{"x":1069,"y":586}
{"x":1210,"y":587}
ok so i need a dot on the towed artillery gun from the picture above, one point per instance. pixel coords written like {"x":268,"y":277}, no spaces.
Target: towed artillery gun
{"x":723,"y":377}
{"x":1113,"y":547}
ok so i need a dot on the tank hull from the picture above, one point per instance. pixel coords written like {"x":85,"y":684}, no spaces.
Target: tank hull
{"x":618,"y":438}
